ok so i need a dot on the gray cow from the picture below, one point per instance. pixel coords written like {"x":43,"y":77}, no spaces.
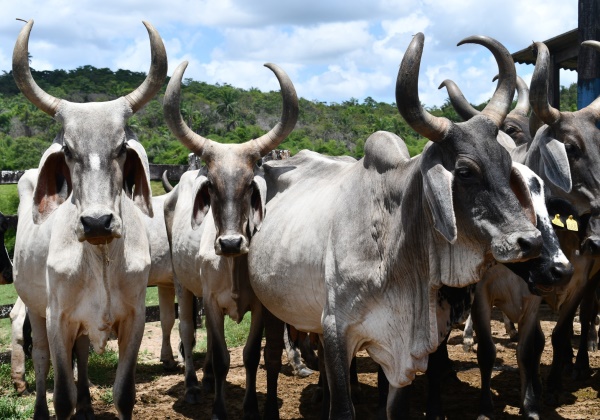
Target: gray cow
{"x":374,"y":240}
{"x":81,"y":254}
{"x":211,"y":216}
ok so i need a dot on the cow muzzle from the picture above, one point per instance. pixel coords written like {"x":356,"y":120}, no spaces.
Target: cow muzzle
{"x":98,"y":228}
{"x":519,"y":246}
{"x":231,"y":245}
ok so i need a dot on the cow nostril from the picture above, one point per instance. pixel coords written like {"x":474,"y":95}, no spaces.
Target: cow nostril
{"x":562,"y":271}
{"x":96,"y":226}
{"x":231,"y":244}
{"x":530,"y":246}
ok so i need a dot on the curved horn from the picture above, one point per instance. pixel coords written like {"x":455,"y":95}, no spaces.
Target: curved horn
{"x":156,"y":75}
{"x":289,"y":114}
{"x":460,"y":104}
{"x":178,"y":127}
{"x":407,"y":95}
{"x":538,"y":93}
{"x":165,"y":182}
{"x":523,"y":107}
{"x":595,"y":105}
{"x":499,"y":105}
{"x":23,"y":78}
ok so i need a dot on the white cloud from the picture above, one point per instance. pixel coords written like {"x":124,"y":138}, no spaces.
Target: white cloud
{"x":333,"y":50}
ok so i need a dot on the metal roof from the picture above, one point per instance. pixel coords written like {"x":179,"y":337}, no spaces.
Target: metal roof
{"x":563,"y":48}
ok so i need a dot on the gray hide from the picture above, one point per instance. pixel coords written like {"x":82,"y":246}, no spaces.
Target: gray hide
{"x":373,"y":240}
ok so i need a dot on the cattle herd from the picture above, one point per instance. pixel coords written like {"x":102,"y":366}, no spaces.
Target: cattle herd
{"x":384,"y":254}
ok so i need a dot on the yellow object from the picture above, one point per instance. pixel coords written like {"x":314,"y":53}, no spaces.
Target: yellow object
{"x":556,"y":221}
{"x":572,"y":224}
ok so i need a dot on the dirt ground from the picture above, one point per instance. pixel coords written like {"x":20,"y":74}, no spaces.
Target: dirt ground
{"x":160,"y":396}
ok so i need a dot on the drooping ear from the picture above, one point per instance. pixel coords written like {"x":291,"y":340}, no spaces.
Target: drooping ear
{"x":437,"y":183}
{"x":258,"y":203}
{"x":519,"y":185}
{"x":201,"y":201}
{"x":53,"y":183}
{"x":136,"y":177}
{"x":556,"y":163}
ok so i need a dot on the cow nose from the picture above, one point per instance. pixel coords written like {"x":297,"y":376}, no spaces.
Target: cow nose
{"x":531,"y":246}
{"x":591,"y":246}
{"x":561,"y":273}
{"x":230,"y":244}
{"x":96,"y":226}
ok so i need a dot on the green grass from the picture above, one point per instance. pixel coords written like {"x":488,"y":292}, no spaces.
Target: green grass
{"x":16,"y":408}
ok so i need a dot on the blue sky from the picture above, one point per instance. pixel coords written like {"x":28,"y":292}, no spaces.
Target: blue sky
{"x":333,"y":50}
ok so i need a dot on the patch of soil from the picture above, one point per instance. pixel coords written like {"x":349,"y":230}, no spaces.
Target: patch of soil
{"x":161,"y":396}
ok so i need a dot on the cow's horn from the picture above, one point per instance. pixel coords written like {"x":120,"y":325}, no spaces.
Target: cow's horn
{"x":289,"y":114}
{"x":178,"y":127}
{"x":407,"y":95}
{"x":157,"y":74}
{"x":523,"y":107}
{"x":499,"y":105}
{"x":460,"y":104}
{"x":165,"y":182}
{"x":538,"y":93}
{"x":595,"y":105}
{"x":23,"y":78}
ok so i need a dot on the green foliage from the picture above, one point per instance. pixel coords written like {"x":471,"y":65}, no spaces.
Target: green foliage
{"x":12,"y":408}
{"x":568,"y":98}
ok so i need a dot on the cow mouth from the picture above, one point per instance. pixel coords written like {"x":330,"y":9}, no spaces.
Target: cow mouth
{"x":99,"y":240}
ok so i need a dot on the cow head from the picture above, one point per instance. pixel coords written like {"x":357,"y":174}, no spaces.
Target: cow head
{"x":230,"y":183}
{"x":469,"y":181}
{"x":95,"y":157}
{"x":516,"y":123}
{"x":573,"y":134}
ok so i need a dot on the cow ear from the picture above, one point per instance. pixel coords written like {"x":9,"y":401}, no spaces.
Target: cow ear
{"x":136,"y":177}
{"x":201,"y":201}
{"x":556,"y":163}
{"x":53,"y":183}
{"x":437,"y":183}
{"x":258,"y":203}
{"x":518,"y":184}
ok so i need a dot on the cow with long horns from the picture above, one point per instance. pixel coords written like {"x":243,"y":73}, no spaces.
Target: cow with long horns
{"x":374,"y":240}
{"x":211,"y":216}
{"x":81,"y":253}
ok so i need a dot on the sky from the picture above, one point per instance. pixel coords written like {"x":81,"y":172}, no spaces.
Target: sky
{"x":333,"y":50}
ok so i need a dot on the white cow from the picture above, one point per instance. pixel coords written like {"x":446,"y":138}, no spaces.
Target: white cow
{"x":82,"y":255}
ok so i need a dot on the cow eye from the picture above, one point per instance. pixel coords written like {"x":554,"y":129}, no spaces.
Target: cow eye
{"x":573,"y":151}
{"x":123,"y":148}
{"x":464,"y":173}
{"x":67,"y":151}
{"x":510,"y":130}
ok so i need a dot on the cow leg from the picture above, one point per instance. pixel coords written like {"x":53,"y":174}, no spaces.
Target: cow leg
{"x":354,"y":384}
{"x":84,"y":400}
{"x":308,"y":353}
{"x":208,"y":374}
{"x":398,"y":403}
{"x":294,"y":356}
{"x":251,"y":361}
{"x":62,"y":339}
{"x":468,"y":340}
{"x":41,"y":364}
{"x":337,"y":364}
{"x":166,"y":298}
{"x":481,"y":313}
{"x":581,"y":369}
{"x":215,"y":322}
{"x":437,"y":367}
{"x":129,"y":332}
{"x":529,"y":353}
{"x":383,"y":388}
{"x":592,"y":343}
{"x":186,"y":333}
{"x":510,"y":329}
{"x":273,"y":350}
{"x":17,"y":357}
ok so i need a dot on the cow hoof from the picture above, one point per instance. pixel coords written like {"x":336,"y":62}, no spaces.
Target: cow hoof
{"x":514,"y":337}
{"x":252,"y":416}
{"x":484,"y":417}
{"x":193,"y":395}
{"x":304,"y":372}
{"x":468,"y":345}
{"x":41,"y":412}
{"x":170,"y":365}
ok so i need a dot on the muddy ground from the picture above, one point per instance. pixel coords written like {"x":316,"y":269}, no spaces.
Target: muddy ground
{"x":159,"y":395}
